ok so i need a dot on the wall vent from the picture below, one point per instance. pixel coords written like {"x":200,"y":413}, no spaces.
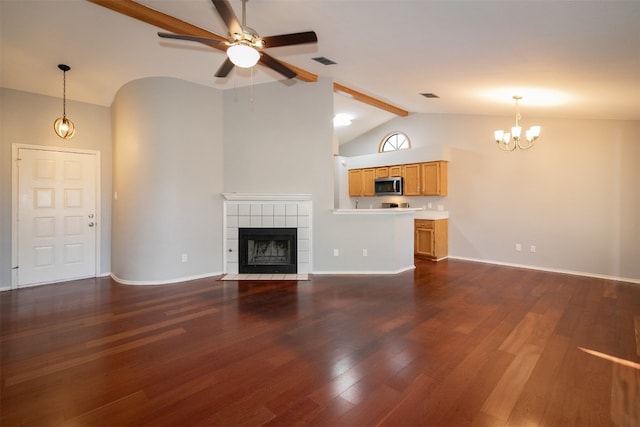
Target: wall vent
{"x":323,"y":60}
{"x":429,"y":95}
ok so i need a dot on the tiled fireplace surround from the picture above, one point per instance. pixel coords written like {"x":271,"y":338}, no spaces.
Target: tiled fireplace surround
{"x":267,"y":211}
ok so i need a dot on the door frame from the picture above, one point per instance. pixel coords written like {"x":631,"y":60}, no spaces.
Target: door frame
{"x":14,"y":202}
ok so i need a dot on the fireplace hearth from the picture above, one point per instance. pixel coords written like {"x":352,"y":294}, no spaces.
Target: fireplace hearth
{"x":267,"y":250}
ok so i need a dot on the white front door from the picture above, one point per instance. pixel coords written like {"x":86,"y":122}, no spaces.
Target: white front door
{"x":56,"y":216}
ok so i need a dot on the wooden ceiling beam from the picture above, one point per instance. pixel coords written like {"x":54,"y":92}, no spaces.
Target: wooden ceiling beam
{"x":337,"y":87}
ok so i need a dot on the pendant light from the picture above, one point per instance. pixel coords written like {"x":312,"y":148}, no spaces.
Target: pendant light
{"x":64,"y":127}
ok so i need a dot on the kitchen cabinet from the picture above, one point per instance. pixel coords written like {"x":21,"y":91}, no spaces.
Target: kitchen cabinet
{"x":431,"y":238}
{"x":411,"y":175}
{"x":420,"y":179}
{"x":368,"y":178}
{"x":433,"y":176}
{"x":361,"y":182}
{"x":355,"y":182}
{"x":382,"y":172}
{"x":395,"y":170}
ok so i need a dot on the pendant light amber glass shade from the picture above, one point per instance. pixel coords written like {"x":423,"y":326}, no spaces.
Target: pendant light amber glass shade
{"x":64,"y":127}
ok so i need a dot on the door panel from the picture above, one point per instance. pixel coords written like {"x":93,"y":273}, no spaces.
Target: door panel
{"x":56,"y":216}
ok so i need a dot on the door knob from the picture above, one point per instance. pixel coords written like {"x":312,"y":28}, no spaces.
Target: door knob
{"x":91,"y":224}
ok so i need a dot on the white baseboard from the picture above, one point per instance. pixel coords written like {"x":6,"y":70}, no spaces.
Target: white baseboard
{"x":551,"y":270}
{"x":379,"y":272}
{"x":163,"y":282}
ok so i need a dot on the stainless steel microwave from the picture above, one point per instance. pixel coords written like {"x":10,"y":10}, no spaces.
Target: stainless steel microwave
{"x":388,"y":186}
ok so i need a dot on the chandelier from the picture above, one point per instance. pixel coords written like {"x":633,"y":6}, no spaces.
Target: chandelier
{"x":509,"y":141}
{"x":64,"y":127}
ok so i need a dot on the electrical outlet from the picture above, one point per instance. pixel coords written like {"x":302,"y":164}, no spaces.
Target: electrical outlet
{"x":430,"y":205}
{"x":184,"y":258}
{"x":532,"y":248}
{"x":518,"y":247}
{"x":365,"y":252}
{"x":336,"y":252}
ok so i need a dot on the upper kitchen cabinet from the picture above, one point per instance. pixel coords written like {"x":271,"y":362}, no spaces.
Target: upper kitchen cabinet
{"x":382,"y":172}
{"x":395,"y":170}
{"x":434,"y":178}
{"x":411,"y":175}
{"x":361,"y":182}
{"x":420,"y":179}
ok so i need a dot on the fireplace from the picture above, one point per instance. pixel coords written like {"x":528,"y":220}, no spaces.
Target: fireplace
{"x":267,"y":250}
{"x":267,"y":210}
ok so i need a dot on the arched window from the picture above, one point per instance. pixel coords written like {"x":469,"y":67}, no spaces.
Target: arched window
{"x":394,"y":141}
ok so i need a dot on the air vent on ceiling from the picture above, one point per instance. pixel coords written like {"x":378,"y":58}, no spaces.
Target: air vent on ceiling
{"x":323,"y":60}
{"x":429,"y":95}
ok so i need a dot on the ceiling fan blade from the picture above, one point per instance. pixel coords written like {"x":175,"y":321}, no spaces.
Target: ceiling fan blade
{"x":290,"y":39}
{"x":228,"y":16}
{"x":276,"y":65}
{"x":210,"y":42}
{"x":225,"y":68}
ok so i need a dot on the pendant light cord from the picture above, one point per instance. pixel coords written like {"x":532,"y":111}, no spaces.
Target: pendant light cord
{"x":64,"y":94}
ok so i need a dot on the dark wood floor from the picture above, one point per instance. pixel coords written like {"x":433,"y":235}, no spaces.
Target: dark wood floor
{"x":452,"y":343}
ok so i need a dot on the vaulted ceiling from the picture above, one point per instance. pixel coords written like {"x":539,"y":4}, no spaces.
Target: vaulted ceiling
{"x":566,"y":58}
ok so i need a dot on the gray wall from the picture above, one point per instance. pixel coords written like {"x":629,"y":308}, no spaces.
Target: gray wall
{"x":575,"y":195}
{"x":177,"y":146}
{"x":278,"y":140}
{"x":167,"y":173}
{"x":282,"y":142}
{"x":27,"y":118}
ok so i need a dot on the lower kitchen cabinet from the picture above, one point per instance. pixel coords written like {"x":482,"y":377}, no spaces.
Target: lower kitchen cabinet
{"x":431,"y":238}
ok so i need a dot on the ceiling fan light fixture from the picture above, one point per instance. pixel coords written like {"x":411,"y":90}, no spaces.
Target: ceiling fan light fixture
{"x":242,"y":55}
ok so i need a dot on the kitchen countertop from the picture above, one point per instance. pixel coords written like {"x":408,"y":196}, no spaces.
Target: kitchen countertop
{"x":418,"y":212}
{"x":432,"y":214}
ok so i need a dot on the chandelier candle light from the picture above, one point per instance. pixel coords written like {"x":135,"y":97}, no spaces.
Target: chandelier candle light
{"x":509,"y":141}
{"x":64,"y":127}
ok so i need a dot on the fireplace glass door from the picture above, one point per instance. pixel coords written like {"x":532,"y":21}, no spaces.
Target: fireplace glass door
{"x":267,"y":250}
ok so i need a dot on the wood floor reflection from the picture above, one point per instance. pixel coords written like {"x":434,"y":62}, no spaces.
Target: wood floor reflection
{"x":452,"y":343}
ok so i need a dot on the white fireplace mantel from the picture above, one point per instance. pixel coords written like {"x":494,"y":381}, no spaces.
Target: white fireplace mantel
{"x":268,"y":197}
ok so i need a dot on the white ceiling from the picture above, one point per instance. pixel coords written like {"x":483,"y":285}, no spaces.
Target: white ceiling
{"x":566,"y":58}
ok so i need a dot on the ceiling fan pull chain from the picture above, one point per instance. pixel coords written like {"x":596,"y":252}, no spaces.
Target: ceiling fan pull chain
{"x":251,"y":85}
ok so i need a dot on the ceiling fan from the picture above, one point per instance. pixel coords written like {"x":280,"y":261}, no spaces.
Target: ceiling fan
{"x":244,"y":45}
